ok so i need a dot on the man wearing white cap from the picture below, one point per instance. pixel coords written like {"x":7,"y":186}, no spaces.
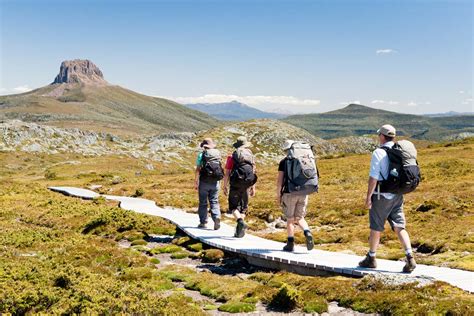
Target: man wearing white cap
{"x":385,"y":206}
{"x":293,"y":203}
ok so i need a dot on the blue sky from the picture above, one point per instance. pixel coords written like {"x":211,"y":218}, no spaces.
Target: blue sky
{"x":287,"y":56}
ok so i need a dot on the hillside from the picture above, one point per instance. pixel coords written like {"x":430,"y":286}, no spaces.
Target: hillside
{"x":265,"y":135}
{"x":232,"y":111}
{"x":360,"y":120}
{"x":87,"y":101}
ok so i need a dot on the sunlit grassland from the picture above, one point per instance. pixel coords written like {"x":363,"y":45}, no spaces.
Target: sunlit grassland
{"x":444,"y":233}
{"x":60,"y":254}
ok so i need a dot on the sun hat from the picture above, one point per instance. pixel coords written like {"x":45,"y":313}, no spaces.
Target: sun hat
{"x":287,"y":144}
{"x":387,"y":130}
{"x":207,"y":143}
{"x":242,"y":142}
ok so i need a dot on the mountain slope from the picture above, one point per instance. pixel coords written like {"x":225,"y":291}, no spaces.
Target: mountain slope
{"x":89,"y":102}
{"x":356,"y":120}
{"x":232,"y":111}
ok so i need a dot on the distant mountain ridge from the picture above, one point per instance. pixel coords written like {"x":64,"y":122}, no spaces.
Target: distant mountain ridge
{"x":450,"y":113}
{"x":80,"y":97}
{"x":357,"y":120}
{"x":233,"y":111}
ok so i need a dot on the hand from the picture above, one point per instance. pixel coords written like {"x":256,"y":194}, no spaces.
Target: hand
{"x":252,"y":191}
{"x":196,"y":185}
{"x":278,"y":199}
{"x":368,"y":202}
{"x":226,"y":191}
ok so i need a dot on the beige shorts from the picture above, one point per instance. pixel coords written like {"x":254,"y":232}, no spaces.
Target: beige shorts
{"x":294,"y":205}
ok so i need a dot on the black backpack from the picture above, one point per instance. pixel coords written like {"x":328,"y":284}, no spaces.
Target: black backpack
{"x":211,"y":167}
{"x":243,"y":175}
{"x":403,"y":170}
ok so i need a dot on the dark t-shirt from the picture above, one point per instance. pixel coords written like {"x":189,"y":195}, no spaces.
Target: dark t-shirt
{"x":282,"y":167}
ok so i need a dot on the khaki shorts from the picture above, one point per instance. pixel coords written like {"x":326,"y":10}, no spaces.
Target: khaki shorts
{"x":294,"y":205}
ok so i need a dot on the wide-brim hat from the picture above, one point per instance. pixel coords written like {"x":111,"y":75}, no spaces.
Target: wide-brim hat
{"x":242,"y":142}
{"x":287,"y":144}
{"x":207,"y":143}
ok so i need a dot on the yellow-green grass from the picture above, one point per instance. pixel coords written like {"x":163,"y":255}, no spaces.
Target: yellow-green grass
{"x":336,"y":214}
{"x":60,"y":254}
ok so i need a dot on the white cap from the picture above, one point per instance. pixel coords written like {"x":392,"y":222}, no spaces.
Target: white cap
{"x":387,"y":130}
{"x":287,"y":144}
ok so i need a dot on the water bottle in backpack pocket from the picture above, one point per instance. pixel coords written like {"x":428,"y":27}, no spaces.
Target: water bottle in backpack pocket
{"x":404,"y":172}
{"x":301,"y":171}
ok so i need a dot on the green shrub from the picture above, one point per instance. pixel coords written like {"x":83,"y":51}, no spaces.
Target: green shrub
{"x":286,"y":299}
{"x":138,"y":192}
{"x":139,"y":242}
{"x":179,"y":255}
{"x":155,"y":260}
{"x":166,"y":249}
{"x":316,"y":305}
{"x":195,"y":247}
{"x":237,"y":307}
{"x":50,"y":175}
{"x":212,"y":255}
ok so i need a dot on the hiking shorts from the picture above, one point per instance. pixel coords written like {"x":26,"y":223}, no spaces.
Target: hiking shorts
{"x":238,"y":199}
{"x":294,"y":205}
{"x":390,"y":210}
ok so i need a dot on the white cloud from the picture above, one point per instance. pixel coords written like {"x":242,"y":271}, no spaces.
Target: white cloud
{"x":22,"y":89}
{"x":384,"y":102}
{"x":266,"y":103}
{"x":385,"y":51}
{"x":461,"y":91}
{"x":467,"y":101}
{"x":350,"y":102}
{"x":411,"y":103}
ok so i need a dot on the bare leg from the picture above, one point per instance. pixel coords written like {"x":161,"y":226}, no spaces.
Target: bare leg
{"x":290,"y":227}
{"x":302,"y":223}
{"x":374,"y":240}
{"x":403,"y":237}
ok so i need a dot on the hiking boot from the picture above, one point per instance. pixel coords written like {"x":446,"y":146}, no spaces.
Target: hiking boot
{"x":410,"y":265}
{"x":290,"y":246}
{"x":202,"y":225}
{"x":368,"y":262}
{"x":217,"y":224}
{"x":240,"y":229}
{"x":309,"y":241}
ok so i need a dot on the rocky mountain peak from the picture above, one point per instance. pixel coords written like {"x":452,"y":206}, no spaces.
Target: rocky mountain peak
{"x":80,"y":71}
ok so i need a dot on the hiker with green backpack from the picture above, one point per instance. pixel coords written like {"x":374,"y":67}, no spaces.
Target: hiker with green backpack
{"x":240,"y":174}
{"x":206,"y":181}
{"x":394,"y":172}
{"x":297,"y":178}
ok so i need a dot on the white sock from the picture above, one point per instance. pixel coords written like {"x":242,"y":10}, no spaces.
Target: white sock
{"x":372,"y":253}
{"x":409,"y":252}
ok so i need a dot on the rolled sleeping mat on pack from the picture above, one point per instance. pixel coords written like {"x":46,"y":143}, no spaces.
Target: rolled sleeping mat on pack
{"x":409,"y":152}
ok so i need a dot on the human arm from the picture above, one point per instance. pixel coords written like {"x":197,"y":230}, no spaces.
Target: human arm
{"x":197,"y":171}
{"x":279,"y":186}
{"x":370,"y":190}
{"x":196,"y":177}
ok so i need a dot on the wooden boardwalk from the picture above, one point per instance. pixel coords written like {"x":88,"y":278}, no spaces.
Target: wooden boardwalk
{"x":268,"y":253}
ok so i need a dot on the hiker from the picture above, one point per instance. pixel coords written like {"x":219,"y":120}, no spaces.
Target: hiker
{"x":297,"y":178}
{"x":206,"y":181}
{"x":393,"y":172}
{"x":240,"y":173}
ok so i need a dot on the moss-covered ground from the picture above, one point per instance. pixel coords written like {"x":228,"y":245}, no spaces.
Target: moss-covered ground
{"x":60,"y":255}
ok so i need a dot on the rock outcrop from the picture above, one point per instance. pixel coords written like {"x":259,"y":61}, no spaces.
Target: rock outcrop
{"x":265,"y":135}
{"x":80,"y":71}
